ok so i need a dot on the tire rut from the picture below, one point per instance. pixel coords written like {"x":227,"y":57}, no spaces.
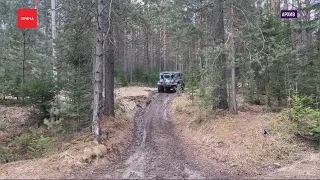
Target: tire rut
{"x":158,"y":152}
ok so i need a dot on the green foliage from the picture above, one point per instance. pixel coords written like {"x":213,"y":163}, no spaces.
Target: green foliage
{"x":120,"y":77}
{"x":145,"y":77}
{"x":307,"y":118}
{"x":31,"y":144}
{"x":71,"y":109}
{"x":193,"y":77}
{"x":153,"y":76}
{"x":12,"y":51}
{"x":6,"y":154}
{"x":139,"y":74}
{"x":40,"y":92}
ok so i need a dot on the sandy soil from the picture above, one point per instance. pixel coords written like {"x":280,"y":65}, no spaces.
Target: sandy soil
{"x":133,"y":91}
{"x":307,"y":168}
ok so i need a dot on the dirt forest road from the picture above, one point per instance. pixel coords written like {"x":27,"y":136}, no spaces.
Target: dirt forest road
{"x":156,"y":150}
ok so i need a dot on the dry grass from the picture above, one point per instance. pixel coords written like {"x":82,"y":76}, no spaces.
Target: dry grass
{"x":116,"y":134}
{"x":308,"y":168}
{"x":133,"y":91}
{"x":238,"y":140}
{"x":12,"y":117}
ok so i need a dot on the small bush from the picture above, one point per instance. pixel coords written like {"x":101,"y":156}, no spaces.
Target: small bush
{"x":118,"y":106}
{"x":307,"y":118}
{"x":31,"y":144}
{"x":6,"y":155}
{"x":3,"y":126}
{"x":120,"y":77}
{"x":145,"y":77}
{"x":40,"y":92}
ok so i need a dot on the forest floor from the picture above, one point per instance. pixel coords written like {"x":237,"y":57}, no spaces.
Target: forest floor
{"x":174,"y":139}
{"x":14,"y":122}
{"x":171,"y":137}
{"x":237,"y":145}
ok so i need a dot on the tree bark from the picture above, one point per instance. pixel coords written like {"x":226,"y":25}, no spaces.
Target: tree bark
{"x":97,"y":72}
{"x":132,"y":57}
{"x":54,"y":33}
{"x":109,"y":55}
{"x":23,"y":62}
{"x":308,"y":33}
{"x":233,"y":70}
{"x":221,"y":92}
{"x":275,"y":6}
{"x":164,"y":49}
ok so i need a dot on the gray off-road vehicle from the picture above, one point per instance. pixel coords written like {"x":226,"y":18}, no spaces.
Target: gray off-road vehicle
{"x":170,"y":80}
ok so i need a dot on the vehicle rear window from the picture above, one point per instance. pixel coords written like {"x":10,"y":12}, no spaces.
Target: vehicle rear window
{"x":166,"y":76}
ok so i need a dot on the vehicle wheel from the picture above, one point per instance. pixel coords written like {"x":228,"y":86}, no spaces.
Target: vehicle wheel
{"x":180,"y":87}
{"x":174,"y":89}
{"x":160,"y":89}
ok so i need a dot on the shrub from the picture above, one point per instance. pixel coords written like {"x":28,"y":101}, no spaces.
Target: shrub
{"x":120,"y":77}
{"x":31,"y":144}
{"x":40,"y":92}
{"x":5,"y":154}
{"x":145,"y":77}
{"x":306,"y":116}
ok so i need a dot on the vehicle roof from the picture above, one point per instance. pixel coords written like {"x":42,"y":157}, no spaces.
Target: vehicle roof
{"x":169,"y":72}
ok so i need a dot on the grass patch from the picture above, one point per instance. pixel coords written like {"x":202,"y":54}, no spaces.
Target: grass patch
{"x":31,"y":144}
{"x":238,"y":138}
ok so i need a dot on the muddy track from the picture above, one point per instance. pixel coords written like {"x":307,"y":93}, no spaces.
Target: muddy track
{"x":156,"y":150}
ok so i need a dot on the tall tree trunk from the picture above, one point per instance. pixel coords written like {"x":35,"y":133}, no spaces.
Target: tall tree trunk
{"x":23,"y":62}
{"x":201,"y":64}
{"x":308,"y":33}
{"x":97,"y":71}
{"x":132,"y":57}
{"x":221,"y":92}
{"x":233,"y":70}
{"x":125,"y":54}
{"x":104,"y":76}
{"x":146,"y":50}
{"x":275,"y":7}
{"x":286,"y":6}
{"x":164,"y":49}
{"x":159,"y":51}
{"x":177,"y":57}
{"x":109,"y":76}
{"x":54,"y":33}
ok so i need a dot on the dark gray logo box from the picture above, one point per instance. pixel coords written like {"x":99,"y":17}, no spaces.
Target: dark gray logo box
{"x":288,"y":14}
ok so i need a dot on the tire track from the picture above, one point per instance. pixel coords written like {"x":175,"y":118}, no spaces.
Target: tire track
{"x":156,"y":150}
{"x":159,"y":153}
